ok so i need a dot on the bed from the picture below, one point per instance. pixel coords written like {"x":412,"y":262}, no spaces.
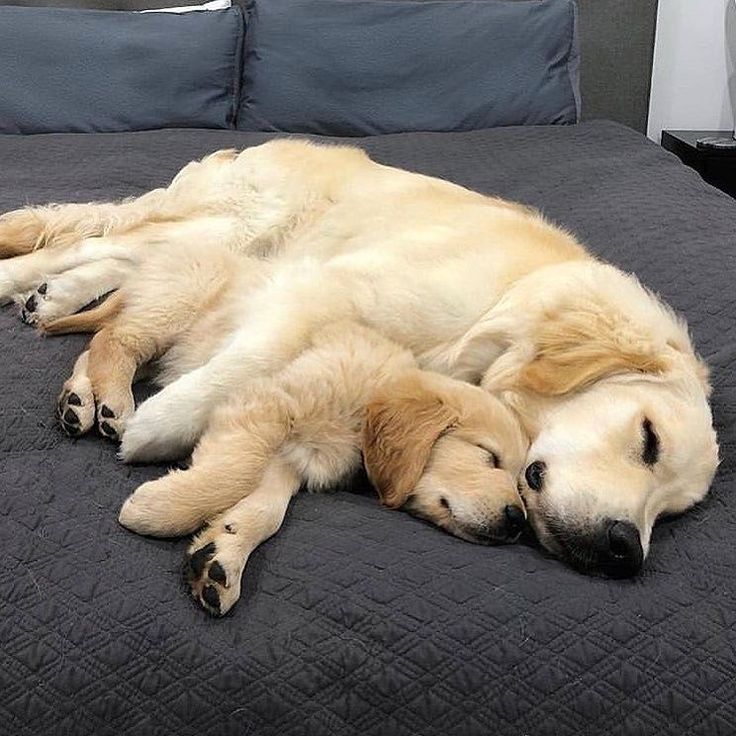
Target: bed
{"x":355,"y":619}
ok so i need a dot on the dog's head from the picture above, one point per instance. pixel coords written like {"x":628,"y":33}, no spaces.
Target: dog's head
{"x":609,"y":388}
{"x":449,"y":453}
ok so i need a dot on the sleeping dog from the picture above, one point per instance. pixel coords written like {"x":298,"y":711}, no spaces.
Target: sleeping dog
{"x":439,"y":448}
{"x":602,"y":374}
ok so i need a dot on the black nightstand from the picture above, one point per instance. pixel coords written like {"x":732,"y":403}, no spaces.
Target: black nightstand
{"x":717,"y":167}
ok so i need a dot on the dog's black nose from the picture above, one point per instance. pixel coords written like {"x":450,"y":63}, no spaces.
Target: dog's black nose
{"x":619,"y":545}
{"x":515,"y":519}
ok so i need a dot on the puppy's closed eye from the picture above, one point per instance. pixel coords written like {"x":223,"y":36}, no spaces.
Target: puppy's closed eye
{"x":493,"y":459}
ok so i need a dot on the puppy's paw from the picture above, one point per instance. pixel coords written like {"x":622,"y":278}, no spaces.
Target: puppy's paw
{"x":165,"y":507}
{"x":158,"y":431}
{"x":112,"y":416}
{"x":142,"y":513}
{"x":214,"y":567}
{"x":75,"y":408}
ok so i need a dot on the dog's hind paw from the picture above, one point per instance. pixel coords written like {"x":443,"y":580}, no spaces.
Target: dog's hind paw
{"x":32,"y":306}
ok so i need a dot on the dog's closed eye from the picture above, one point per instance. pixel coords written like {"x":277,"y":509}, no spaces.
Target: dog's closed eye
{"x":650,"y":449}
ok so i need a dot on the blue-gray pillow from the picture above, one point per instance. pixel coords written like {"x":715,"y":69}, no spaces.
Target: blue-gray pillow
{"x":382,"y":66}
{"x":65,"y":70}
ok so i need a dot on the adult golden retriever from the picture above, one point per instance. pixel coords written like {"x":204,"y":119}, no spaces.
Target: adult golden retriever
{"x":602,"y":374}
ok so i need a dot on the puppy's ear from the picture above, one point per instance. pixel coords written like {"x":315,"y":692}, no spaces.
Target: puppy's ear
{"x":574,"y":348}
{"x":402,"y":424}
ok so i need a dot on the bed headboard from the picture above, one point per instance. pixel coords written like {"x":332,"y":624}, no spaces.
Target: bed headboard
{"x":617,"y":42}
{"x":617,"y":47}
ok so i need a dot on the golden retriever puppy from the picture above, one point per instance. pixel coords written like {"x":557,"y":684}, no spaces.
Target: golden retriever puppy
{"x":441,"y":449}
{"x":602,"y":373}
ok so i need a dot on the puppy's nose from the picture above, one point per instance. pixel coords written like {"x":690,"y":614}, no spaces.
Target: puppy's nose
{"x":515,"y":519}
{"x":620,"y":549}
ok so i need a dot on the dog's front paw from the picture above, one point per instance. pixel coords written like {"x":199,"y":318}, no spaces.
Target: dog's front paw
{"x":75,"y":407}
{"x":162,"y":428}
{"x":214,"y":567}
{"x":147,"y":440}
{"x":112,"y":417}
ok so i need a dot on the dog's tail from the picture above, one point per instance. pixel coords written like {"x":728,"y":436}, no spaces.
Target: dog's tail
{"x":91,"y":320}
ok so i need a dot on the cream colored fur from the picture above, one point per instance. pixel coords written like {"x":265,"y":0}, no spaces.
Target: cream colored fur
{"x":475,"y":287}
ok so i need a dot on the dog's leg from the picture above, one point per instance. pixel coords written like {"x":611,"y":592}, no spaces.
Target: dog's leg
{"x":67,"y":293}
{"x":196,"y":190}
{"x":167,"y":425}
{"x":101,"y":384}
{"x":59,"y":225}
{"x":114,"y":358}
{"x":26,"y":272}
{"x":227,"y":465}
{"x":218,"y":555}
{"x":76,"y":405}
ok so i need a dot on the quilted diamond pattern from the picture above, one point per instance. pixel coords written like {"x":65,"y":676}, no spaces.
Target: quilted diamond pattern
{"x":355,"y":619}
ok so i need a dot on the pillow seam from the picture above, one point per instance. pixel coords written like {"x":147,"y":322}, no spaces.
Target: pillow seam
{"x":237,"y":74}
{"x":577,"y":102}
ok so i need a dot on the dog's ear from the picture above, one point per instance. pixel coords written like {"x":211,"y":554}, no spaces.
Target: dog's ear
{"x":702,"y":371}
{"x":574,"y":348}
{"x":402,"y":424}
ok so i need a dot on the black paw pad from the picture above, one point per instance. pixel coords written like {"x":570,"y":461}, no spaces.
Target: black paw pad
{"x":30,"y":304}
{"x":211,"y":598}
{"x":108,"y":430}
{"x":217,"y":573}
{"x":106,"y":412}
{"x":74,"y":400}
{"x":70,"y":417}
{"x":199,"y":559}
{"x":43,"y":288}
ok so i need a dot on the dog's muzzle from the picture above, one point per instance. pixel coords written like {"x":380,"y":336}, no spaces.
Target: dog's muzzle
{"x":612,"y":548}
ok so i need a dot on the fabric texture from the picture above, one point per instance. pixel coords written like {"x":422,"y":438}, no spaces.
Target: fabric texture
{"x":356,"y":620}
{"x":331,"y":67}
{"x":93,"y":71}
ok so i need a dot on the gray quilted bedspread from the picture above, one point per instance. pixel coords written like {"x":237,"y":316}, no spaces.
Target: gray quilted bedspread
{"x":355,"y":619}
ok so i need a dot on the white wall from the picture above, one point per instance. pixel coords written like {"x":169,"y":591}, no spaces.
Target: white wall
{"x":694,"y":63}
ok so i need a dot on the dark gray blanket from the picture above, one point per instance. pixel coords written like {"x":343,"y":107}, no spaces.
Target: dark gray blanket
{"x":355,"y":619}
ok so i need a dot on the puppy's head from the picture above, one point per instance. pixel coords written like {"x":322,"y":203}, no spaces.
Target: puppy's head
{"x":449,"y":453}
